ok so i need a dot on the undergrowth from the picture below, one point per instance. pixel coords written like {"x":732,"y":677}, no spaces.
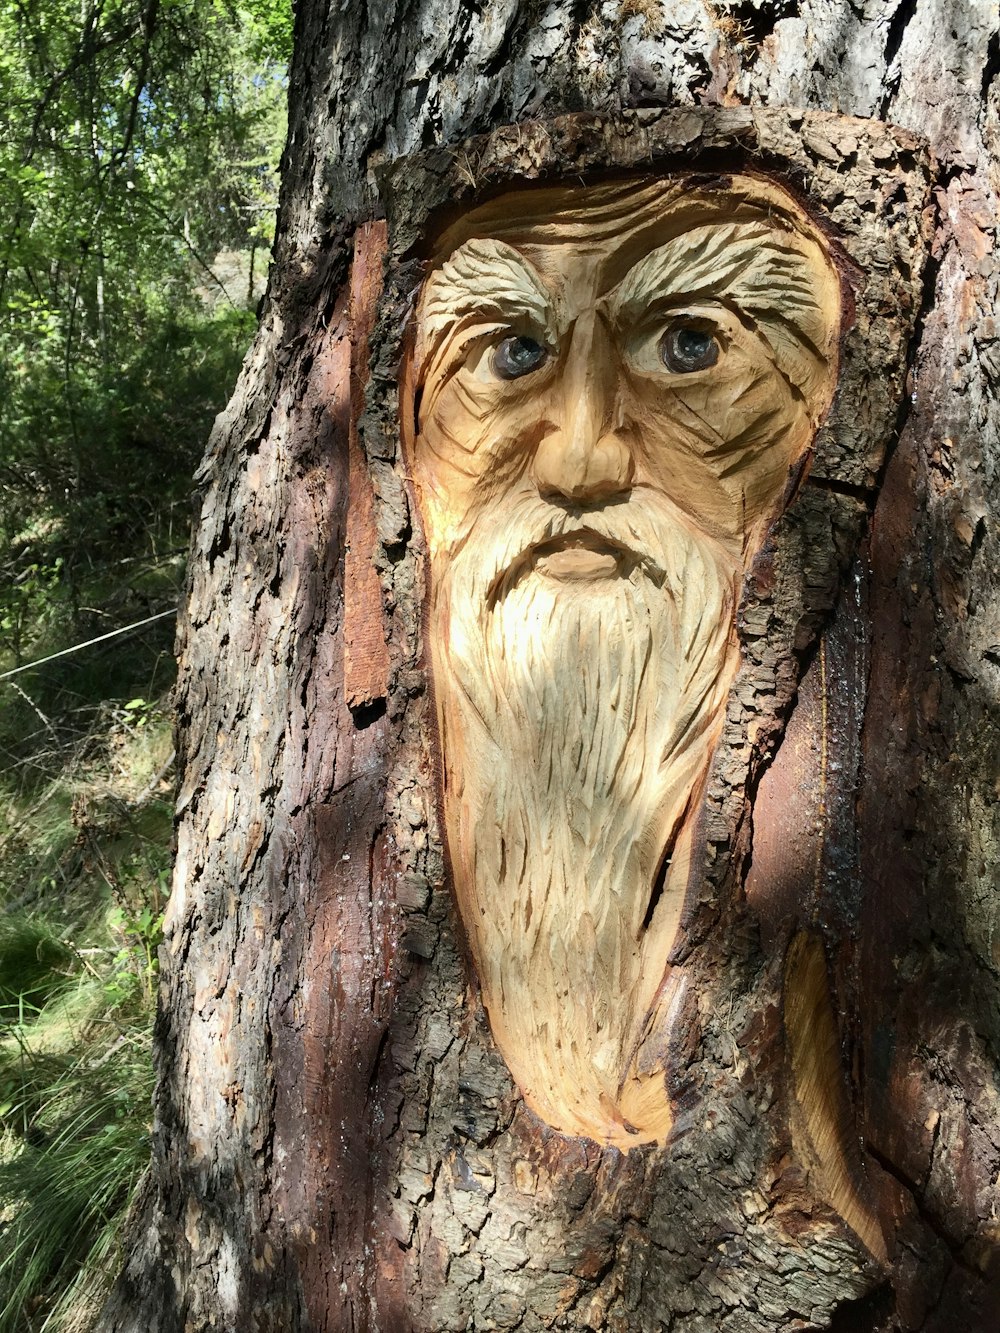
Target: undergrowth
{"x":84,"y":859}
{"x":86,"y":787}
{"x":94,"y":524}
{"x":138,"y":168}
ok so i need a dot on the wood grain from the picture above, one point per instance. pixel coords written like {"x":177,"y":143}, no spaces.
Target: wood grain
{"x":366,"y":657}
{"x":590,"y":517}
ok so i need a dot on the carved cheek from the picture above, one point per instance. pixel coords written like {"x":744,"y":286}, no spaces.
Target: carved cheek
{"x":764,"y":431}
{"x":471,"y":451}
{"x":720,"y":444}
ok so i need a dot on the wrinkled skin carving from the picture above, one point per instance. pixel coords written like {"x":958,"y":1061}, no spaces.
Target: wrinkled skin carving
{"x":615,"y":391}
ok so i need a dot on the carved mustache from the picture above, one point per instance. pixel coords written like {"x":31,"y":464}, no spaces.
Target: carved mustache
{"x":505,"y":542}
{"x":579,"y":535}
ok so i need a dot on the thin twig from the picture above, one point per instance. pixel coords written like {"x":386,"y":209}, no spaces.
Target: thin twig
{"x":46,"y":722}
{"x":164,"y":769}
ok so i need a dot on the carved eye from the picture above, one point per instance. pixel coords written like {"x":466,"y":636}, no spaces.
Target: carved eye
{"x":517,"y":356}
{"x":685,"y":348}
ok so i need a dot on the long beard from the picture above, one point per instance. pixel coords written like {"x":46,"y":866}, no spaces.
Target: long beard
{"x":578,"y":720}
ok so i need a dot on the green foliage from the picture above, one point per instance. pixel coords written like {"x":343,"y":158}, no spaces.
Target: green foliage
{"x":138,"y":158}
{"x":77,"y":1142}
{"x":134,"y":969}
{"x":33,"y":966}
{"x":137,"y":168}
{"x":270,"y":25}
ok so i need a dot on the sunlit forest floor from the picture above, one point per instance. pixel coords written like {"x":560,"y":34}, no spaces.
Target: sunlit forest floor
{"x":138,"y":171}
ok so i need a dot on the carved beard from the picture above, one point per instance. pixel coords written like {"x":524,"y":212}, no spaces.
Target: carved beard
{"x":577,"y":717}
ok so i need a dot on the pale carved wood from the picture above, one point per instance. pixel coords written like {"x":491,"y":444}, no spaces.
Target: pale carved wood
{"x":591,"y":513}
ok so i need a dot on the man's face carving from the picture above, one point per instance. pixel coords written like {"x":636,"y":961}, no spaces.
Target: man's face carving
{"x":614,"y":385}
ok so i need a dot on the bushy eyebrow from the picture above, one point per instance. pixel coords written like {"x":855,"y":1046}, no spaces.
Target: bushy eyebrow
{"x":484,"y":284}
{"x":766,"y":272}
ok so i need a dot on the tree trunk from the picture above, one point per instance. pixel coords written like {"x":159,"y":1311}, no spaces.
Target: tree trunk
{"x":338,"y":1143}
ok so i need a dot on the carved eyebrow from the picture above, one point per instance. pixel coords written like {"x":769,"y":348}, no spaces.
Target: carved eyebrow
{"x":767,"y":273}
{"x":484,"y":283}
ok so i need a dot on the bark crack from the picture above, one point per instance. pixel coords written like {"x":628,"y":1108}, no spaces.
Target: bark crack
{"x":915,"y":1191}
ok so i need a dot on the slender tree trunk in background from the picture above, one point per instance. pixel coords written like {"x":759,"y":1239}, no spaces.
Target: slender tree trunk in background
{"x":337,"y":1144}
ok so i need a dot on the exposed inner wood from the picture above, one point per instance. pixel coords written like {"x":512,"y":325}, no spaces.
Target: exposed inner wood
{"x":822,"y":1131}
{"x":613,"y":386}
{"x":366,"y":657}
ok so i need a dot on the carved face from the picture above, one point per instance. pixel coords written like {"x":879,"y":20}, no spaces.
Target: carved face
{"x":615,"y":387}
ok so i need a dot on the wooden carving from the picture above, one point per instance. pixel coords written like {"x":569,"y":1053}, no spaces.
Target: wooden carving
{"x":616,"y":388}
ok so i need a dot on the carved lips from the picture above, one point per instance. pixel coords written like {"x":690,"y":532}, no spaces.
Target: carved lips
{"x":564,"y":545}
{"x":579,"y":555}
{"x":612,"y":385}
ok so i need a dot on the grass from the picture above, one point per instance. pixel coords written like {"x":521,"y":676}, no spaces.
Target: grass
{"x":84,"y":856}
{"x":106,"y":409}
{"x":78,"y":1147}
{"x":95,"y":471}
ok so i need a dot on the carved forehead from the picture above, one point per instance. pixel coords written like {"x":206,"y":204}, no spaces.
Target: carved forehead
{"x":593,"y":222}
{"x":605,"y":228}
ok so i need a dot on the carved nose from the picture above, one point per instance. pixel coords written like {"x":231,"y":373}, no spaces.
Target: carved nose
{"x":583,"y":457}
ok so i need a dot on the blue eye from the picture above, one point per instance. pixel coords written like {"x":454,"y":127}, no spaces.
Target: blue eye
{"x":685,"y":348}
{"x":517,"y":356}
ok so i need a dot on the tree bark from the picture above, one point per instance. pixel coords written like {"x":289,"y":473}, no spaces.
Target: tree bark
{"x":337,"y":1143}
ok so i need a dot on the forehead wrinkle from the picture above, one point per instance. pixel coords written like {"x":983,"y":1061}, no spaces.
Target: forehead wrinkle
{"x":634,"y":213}
{"x":580,"y":239}
{"x":565,"y":214}
{"x":483,"y":277}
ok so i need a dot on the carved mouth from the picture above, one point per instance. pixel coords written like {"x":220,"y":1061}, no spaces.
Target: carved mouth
{"x":583,"y":554}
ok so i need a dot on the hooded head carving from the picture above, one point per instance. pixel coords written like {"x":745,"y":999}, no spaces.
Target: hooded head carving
{"x":616,"y":389}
